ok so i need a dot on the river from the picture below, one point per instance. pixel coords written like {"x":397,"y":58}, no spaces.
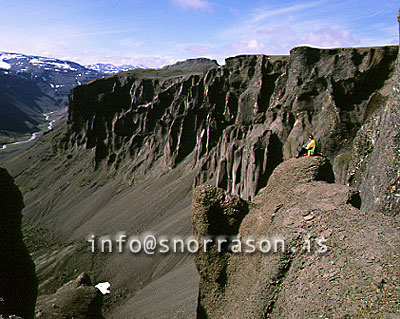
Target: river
{"x":36,"y":134}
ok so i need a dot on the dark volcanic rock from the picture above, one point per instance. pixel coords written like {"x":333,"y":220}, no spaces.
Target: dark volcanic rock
{"x":200,"y":64}
{"x":235,"y":123}
{"x":218,"y":213}
{"x":77,"y":299}
{"x":355,"y":277}
{"x":18,"y":281}
{"x":375,"y":168}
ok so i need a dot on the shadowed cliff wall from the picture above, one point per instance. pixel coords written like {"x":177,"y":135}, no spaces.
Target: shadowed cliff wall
{"x":236,"y":122}
{"x":18,"y":281}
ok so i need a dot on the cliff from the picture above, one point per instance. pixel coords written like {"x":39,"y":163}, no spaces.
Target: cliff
{"x":236,"y":122}
{"x":18,"y":281}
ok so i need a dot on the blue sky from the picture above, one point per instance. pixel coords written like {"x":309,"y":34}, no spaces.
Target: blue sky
{"x":155,"y":32}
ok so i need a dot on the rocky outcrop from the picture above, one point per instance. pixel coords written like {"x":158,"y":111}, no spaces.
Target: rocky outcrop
{"x":337,"y":261}
{"x":18,"y":281}
{"x":77,"y":299}
{"x":237,"y":122}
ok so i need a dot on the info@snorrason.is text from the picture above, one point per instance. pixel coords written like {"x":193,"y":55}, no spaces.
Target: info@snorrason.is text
{"x":150,"y":244}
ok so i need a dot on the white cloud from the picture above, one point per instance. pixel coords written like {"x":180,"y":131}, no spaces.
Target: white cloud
{"x":256,"y":21}
{"x":329,"y":38}
{"x":246,"y":47}
{"x":280,"y":31}
{"x":234,"y":11}
{"x":196,"y":48}
{"x":66,"y":44}
{"x":277,"y":29}
{"x":193,"y":4}
{"x":130,"y":43}
{"x":150,"y":61}
{"x":99,"y":33}
{"x":262,"y":14}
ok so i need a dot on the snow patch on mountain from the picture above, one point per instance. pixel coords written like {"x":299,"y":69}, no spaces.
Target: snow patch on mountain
{"x":23,"y":63}
{"x":3,"y":63}
{"x":53,"y":63}
{"x":108,"y":68}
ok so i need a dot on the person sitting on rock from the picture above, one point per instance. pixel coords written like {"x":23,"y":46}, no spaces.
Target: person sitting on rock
{"x":311,"y":146}
{"x":309,"y":149}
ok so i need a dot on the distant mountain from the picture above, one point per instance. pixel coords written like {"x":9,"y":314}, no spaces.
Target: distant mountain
{"x":107,"y":68}
{"x":199,"y":64}
{"x":31,"y":86}
{"x":53,"y":72}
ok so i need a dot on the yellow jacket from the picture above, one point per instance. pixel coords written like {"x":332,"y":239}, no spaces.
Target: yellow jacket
{"x":311,"y":145}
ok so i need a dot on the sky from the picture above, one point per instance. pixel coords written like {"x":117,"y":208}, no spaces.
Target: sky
{"x":154,"y":33}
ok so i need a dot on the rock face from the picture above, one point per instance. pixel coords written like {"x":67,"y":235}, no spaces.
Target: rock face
{"x":77,"y":299}
{"x":18,"y":281}
{"x":375,"y":168}
{"x":200,"y":64}
{"x":237,"y":122}
{"x":338,"y":261}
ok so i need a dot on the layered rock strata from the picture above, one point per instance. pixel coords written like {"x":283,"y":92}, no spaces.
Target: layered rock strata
{"x":235,"y":122}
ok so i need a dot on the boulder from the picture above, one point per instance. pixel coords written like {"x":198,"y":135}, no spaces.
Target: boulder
{"x":77,"y":299}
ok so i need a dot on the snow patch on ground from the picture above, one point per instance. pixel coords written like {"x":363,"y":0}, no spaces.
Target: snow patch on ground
{"x":104,"y":287}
